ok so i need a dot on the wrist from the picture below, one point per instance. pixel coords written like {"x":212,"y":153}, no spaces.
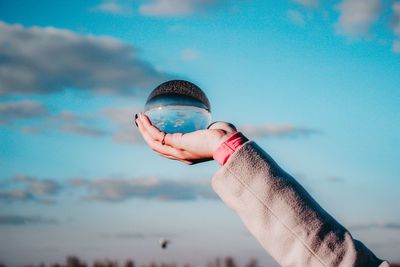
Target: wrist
{"x":220,"y":138}
{"x":227,"y":147}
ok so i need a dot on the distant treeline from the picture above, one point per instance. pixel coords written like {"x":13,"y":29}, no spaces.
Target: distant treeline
{"x":73,"y":261}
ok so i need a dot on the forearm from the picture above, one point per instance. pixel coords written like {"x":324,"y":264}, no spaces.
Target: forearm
{"x":284,"y":218}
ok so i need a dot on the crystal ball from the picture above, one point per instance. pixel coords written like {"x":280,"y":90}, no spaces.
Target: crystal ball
{"x":178,"y":106}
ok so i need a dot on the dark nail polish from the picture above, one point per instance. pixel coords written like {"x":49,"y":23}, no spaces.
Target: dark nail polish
{"x":136,"y":116}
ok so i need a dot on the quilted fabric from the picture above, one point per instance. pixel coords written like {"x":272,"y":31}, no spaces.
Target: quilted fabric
{"x":283,"y":217}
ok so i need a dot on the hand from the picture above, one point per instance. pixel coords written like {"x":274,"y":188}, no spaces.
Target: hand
{"x":189,"y":148}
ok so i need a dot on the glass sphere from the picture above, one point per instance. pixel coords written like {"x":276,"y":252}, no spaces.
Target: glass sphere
{"x":178,"y":106}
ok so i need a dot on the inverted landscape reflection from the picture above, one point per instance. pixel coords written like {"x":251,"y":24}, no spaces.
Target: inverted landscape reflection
{"x":177,"y":114}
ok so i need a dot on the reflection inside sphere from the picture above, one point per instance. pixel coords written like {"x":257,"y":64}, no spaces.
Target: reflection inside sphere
{"x":178,"y":107}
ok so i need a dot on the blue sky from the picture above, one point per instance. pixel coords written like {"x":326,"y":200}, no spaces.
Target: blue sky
{"x":315,"y":83}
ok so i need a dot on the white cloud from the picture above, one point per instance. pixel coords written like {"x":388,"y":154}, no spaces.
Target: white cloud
{"x":114,"y":7}
{"x":123,"y":115}
{"x":110,"y":189}
{"x":26,"y":109}
{"x":357,"y":16}
{"x":27,"y":188}
{"x":69,"y":122}
{"x":296,"y":17}
{"x":308,"y":3}
{"x":190,"y":54}
{"x":123,"y":118}
{"x":276,"y":130}
{"x":176,"y":28}
{"x":117,"y":189}
{"x":12,"y":219}
{"x":396,"y":26}
{"x":175,"y":8}
{"x":117,"y":123}
{"x":334,"y":179}
{"x":396,"y":47}
{"x":38,"y":186}
{"x":396,"y":18}
{"x":40,"y":60}
{"x":385,"y":225}
{"x":83,"y":130}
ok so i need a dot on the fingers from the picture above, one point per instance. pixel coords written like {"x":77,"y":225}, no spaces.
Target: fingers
{"x":226,"y":126}
{"x":173,"y":158}
{"x":173,"y":146}
{"x":150,"y":136}
{"x":153,"y":131}
{"x":173,"y":140}
{"x":153,"y":138}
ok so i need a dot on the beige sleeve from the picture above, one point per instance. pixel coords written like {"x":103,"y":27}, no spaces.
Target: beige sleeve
{"x":283,"y":217}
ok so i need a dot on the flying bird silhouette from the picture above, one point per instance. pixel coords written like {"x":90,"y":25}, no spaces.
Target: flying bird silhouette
{"x":164,"y":243}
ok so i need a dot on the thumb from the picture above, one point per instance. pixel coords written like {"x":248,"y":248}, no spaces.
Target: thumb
{"x":222,"y":125}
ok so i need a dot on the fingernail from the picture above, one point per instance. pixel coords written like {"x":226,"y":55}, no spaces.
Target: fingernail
{"x":136,"y":116}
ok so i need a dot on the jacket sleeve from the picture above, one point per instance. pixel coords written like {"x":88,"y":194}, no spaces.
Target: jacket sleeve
{"x":283,"y":217}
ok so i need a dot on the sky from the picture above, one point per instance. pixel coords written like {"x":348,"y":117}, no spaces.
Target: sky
{"x":313,"y":82}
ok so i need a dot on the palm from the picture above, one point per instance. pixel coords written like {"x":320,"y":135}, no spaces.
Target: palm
{"x":189,"y":148}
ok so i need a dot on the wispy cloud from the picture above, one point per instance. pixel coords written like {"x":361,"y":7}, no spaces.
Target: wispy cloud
{"x":277,"y":130}
{"x":334,"y":179}
{"x":357,"y":16}
{"x":123,"y":118}
{"x":190,"y":54}
{"x":176,"y":8}
{"x":71,"y":123}
{"x":89,"y":63}
{"x":117,"y":123}
{"x":116,"y":7}
{"x":26,"y":109}
{"x":124,"y":130}
{"x":39,"y":187}
{"x":396,"y":26}
{"x":83,"y":130}
{"x":108,"y":189}
{"x":384,"y":225}
{"x":80,"y":124}
{"x":117,"y":189}
{"x":296,"y":17}
{"x":396,"y":18}
{"x":138,"y":235}
{"x":25,"y":220}
{"x":27,"y":188}
{"x":15,"y":195}
{"x":308,"y":3}
{"x":396,"y":47}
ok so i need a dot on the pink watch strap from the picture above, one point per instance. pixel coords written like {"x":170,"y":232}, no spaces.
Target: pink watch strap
{"x":227,"y":148}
